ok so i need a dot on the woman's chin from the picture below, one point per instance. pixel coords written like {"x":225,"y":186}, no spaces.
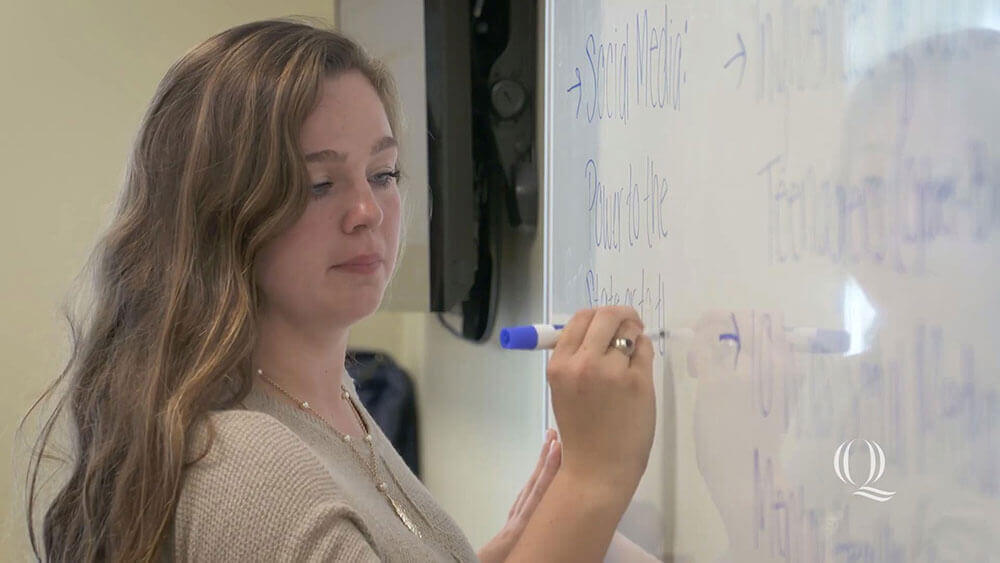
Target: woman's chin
{"x":362,"y":307}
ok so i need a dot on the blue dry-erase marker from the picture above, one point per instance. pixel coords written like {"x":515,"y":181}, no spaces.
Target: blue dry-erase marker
{"x":802,"y":339}
{"x":541,"y":337}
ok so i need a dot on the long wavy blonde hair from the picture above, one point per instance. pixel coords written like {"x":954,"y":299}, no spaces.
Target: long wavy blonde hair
{"x":216,"y":172}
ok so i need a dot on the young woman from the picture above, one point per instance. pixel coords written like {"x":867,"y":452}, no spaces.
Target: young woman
{"x":211,"y":412}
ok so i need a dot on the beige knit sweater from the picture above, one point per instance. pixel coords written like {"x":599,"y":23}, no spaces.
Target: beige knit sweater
{"x":279,"y":485}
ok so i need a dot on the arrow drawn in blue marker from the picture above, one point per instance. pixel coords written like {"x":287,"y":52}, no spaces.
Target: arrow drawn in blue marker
{"x":741,"y":55}
{"x":576,"y":87}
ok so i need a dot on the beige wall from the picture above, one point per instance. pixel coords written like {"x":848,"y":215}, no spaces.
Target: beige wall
{"x":76,"y":80}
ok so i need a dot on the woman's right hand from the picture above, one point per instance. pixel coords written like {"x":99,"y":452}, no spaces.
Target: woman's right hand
{"x":603,"y":400}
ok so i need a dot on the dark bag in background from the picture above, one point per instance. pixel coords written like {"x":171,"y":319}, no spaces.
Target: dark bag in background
{"x":388,"y":393}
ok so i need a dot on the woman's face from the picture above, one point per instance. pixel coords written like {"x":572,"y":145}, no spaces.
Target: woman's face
{"x":331,"y":267}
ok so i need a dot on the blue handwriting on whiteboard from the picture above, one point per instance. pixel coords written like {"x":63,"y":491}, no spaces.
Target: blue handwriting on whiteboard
{"x":646,"y":58}
{"x":630,"y":213}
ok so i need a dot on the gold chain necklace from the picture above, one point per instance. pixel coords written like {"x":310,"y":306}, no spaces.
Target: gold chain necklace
{"x":372,"y":464}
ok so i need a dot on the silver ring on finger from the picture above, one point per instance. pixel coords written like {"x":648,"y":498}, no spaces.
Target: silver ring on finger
{"x":624,"y":345}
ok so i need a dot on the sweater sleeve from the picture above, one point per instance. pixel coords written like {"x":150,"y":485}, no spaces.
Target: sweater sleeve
{"x":261,"y":495}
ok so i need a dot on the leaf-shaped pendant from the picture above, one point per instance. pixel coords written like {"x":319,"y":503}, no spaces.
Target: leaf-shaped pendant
{"x":402,"y":516}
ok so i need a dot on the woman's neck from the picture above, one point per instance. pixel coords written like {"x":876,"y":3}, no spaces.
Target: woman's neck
{"x":308,"y":364}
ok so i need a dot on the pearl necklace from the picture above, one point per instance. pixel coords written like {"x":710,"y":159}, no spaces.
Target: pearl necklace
{"x":371,"y":464}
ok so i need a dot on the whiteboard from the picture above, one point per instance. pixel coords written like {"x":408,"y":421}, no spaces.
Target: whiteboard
{"x":747,"y":170}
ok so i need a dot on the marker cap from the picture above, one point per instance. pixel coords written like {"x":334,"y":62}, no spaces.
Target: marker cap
{"x":519,"y":338}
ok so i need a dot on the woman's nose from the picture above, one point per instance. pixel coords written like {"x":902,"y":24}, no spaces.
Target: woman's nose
{"x":364,"y":210}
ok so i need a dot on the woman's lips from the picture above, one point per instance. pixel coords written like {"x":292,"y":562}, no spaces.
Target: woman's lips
{"x":367,"y":264}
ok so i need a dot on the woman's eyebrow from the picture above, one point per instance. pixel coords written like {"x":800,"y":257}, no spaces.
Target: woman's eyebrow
{"x":384,"y":143}
{"x":328,"y":154}
{"x":332,"y":155}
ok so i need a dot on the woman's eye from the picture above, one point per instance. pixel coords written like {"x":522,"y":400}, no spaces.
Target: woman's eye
{"x":320,"y":189}
{"x":382,"y":180}
{"x":385,"y":178}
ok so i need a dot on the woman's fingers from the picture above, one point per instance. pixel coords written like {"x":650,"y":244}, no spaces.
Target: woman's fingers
{"x":595,"y":392}
{"x":632,"y":330}
{"x":643,"y":354}
{"x":548,"y":473}
{"x":572,"y":335}
{"x":605,"y":325}
{"x":550,"y":435}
